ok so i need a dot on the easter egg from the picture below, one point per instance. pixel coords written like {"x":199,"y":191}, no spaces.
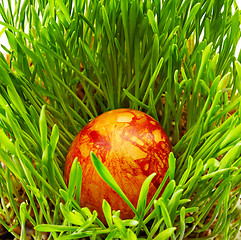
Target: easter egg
{"x":131,"y":145}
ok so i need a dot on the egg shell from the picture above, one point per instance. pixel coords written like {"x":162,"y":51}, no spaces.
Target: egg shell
{"x":132,"y":145}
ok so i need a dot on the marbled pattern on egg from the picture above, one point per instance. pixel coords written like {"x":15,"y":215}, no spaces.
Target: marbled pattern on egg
{"x":132,"y":145}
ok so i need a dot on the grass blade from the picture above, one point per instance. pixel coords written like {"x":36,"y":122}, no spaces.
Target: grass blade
{"x":107,"y":177}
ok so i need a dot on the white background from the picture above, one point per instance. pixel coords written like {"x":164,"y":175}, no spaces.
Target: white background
{"x":3,"y":39}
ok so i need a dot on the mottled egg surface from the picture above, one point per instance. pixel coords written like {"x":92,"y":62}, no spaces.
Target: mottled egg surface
{"x":132,"y":145}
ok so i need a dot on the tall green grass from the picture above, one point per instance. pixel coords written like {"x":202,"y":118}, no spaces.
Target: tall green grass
{"x":72,"y":60}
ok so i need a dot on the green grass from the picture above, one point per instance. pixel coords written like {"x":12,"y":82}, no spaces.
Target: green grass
{"x":171,"y":59}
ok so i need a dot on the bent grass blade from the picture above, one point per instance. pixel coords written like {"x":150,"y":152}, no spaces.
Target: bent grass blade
{"x":107,"y":177}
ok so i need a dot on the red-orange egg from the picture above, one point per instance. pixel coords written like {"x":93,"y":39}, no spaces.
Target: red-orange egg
{"x":132,"y":145}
